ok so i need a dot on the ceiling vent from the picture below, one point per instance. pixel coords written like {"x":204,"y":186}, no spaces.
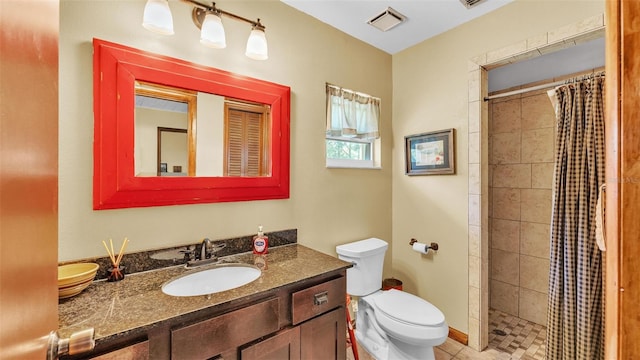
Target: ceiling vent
{"x":470,"y":3}
{"x":387,"y":20}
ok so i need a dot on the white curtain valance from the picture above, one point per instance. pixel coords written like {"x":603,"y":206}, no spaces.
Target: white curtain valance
{"x":352,"y":114}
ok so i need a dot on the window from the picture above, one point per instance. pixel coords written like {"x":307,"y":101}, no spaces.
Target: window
{"x":352,"y":138}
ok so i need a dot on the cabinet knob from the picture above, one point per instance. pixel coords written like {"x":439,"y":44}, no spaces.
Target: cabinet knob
{"x":321,"y":298}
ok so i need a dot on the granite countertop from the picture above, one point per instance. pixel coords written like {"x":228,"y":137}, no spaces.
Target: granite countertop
{"x":137,"y":301}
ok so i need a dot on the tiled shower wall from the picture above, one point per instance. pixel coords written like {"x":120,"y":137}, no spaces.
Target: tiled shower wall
{"x":479,"y":179}
{"x":521,"y":156}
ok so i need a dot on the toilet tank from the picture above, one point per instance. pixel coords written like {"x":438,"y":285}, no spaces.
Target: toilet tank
{"x":365,"y":277}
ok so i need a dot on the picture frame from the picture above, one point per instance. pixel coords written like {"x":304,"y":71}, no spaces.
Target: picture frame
{"x":163,"y":167}
{"x":430,"y":153}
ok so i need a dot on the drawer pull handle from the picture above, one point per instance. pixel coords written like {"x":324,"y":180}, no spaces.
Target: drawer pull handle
{"x":321,"y":298}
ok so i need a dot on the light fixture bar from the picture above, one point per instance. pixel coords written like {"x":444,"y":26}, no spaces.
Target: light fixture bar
{"x":157,"y":17}
{"x":214,"y":9}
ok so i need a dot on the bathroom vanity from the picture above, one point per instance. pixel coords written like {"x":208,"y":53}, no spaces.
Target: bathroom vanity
{"x":294,"y":310}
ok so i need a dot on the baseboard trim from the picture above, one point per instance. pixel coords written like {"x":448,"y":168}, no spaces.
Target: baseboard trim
{"x":458,"y":336}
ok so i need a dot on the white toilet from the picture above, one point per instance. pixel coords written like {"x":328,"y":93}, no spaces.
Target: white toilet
{"x":390,"y":324}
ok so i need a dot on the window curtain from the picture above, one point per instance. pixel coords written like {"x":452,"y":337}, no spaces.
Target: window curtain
{"x":351,"y":114}
{"x":575,"y":326}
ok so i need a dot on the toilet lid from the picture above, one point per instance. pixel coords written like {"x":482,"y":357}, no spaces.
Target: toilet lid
{"x":408,"y":308}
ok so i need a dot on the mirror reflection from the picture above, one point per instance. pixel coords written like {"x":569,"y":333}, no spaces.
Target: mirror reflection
{"x":172,"y":152}
{"x":181,"y":132}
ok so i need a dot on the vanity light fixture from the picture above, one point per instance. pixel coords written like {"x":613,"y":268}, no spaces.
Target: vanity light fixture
{"x":212,"y":32}
{"x":257,"y":43}
{"x":208,"y":18}
{"x":157,"y":17}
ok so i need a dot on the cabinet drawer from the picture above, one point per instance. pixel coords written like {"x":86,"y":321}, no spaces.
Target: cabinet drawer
{"x":318,"y":299}
{"x":211,"y":337}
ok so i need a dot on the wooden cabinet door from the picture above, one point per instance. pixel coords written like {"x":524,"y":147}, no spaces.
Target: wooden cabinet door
{"x":283,"y":346}
{"x":325,"y":337}
{"x":139,"y":351}
{"x":219,"y":334}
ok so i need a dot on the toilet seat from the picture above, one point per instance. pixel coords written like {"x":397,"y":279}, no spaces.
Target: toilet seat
{"x":408,"y":317}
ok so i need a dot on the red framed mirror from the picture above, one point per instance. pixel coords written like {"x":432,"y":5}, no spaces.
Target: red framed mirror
{"x":117,"y":183}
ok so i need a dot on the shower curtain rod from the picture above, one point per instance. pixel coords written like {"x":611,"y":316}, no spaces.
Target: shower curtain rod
{"x":520,"y":91}
{"x":545,"y":86}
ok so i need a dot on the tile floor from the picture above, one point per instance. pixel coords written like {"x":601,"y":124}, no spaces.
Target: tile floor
{"x":521,"y":340}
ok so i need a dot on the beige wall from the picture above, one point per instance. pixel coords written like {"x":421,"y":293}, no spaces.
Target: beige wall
{"x":328,"y":207}
{"x":521,"y":155}
{"x":431,"y":92}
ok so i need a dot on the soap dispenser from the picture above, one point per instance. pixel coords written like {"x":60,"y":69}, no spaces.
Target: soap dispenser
{"x":260,"y":242}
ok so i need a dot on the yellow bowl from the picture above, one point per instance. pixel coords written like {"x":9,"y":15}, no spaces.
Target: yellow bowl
{"x":75,"y":274}
{"x":70,"y":291}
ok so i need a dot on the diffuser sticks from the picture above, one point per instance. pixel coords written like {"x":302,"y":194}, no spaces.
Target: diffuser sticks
{"x":116,"y":271}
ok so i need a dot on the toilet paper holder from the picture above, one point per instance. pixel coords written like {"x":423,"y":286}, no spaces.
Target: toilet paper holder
{"x":432,"y":246}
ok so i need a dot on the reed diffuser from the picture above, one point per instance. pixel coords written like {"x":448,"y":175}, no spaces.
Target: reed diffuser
{"x":116,"y":272}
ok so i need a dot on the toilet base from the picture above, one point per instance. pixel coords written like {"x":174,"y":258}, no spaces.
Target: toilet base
{"x":381,"y":345}
{"x":405,"y":351}
{"x":376,"y":347}
{"x":392,"y":349}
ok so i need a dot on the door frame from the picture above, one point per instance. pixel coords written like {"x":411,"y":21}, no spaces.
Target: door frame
{"x":622,"y":120}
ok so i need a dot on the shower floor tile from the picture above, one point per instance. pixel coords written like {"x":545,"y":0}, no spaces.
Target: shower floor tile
{"x":522,"y":339}
{"x":519,"y":338}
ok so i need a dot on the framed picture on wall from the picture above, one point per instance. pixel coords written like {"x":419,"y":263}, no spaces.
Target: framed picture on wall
{"x":430,"y":153}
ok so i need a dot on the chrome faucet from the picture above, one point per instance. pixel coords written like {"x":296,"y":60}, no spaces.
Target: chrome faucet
{"x":205,"y":251}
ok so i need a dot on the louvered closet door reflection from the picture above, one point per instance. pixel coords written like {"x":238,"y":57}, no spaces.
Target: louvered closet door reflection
{"x":245,"y":134}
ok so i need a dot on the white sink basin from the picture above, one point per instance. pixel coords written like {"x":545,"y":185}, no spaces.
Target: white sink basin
{"x":220,"y":278}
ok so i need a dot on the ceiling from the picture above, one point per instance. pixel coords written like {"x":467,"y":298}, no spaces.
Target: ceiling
{"x":428,"y":18}
{"x":424,"y":18}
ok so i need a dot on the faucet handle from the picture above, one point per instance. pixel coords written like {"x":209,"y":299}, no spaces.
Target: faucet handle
{"x":217,"y":247}
{"x":188,"y":253}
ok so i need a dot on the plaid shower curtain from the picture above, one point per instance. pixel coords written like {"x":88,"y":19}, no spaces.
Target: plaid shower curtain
{"x":575,"y":318}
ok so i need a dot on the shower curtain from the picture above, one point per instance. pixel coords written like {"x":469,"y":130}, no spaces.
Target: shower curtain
{"x":575,"y":326}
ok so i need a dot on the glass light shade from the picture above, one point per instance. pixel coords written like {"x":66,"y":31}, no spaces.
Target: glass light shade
{"x":257,"y":45}
{"x":212,"y":32}
{"x":157,"y":17}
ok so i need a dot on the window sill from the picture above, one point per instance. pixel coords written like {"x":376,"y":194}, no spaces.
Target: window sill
{"x":351,"y":164}
{"x":354,"y":167}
